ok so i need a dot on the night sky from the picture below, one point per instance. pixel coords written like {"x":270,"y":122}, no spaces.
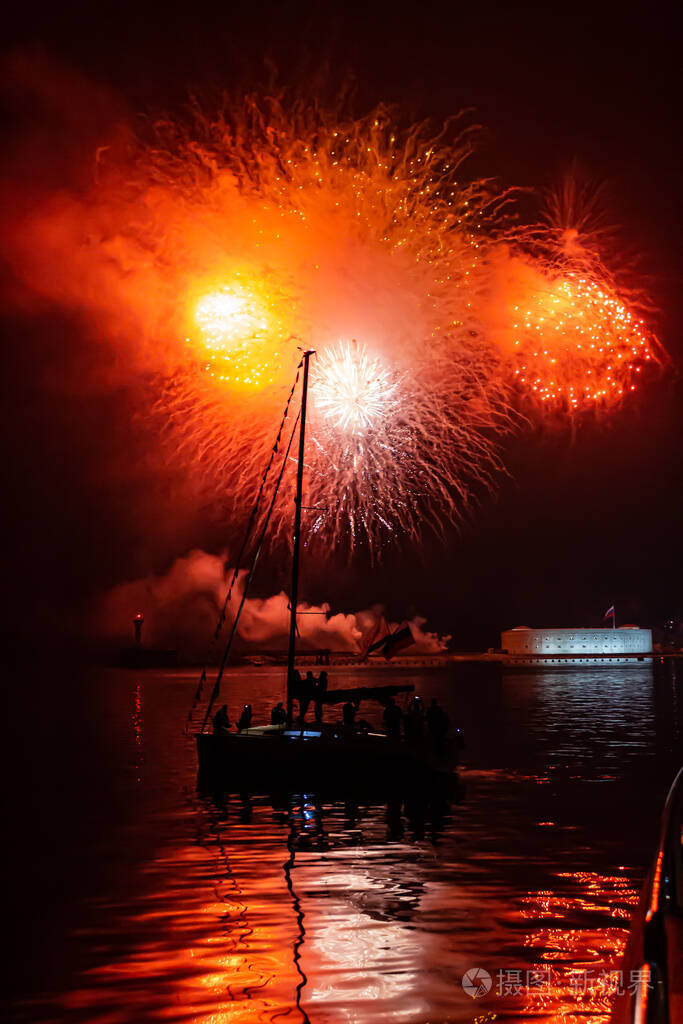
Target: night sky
{"x":584,"y":520}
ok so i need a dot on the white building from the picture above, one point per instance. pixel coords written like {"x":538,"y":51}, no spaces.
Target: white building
{"x":524,"y":646}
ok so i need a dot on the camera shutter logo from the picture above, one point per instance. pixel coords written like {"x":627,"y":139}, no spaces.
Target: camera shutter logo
{"x":476,"y":982}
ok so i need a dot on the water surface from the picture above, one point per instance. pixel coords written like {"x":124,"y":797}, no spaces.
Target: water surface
{"x":134,"y":898}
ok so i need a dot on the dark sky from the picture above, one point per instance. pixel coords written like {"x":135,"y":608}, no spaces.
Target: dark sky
{"x":582,"y":522}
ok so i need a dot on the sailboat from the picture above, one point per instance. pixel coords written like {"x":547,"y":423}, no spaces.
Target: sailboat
{"x":304,"y":754}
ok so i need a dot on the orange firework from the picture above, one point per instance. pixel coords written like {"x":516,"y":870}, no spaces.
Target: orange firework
{"x":240,"y":332}
{"x":567,"y":324}
{"x":569,"y":339}
{"x":576,"y":343}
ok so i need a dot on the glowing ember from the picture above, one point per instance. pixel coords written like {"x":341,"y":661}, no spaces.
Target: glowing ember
{"x":352,"y":388}
{"x":235,"y":330}
{"x":228,"y":320}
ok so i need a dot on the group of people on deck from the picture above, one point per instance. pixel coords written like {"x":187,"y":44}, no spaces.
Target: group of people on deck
{"x":310,"y":688}
{"x":415,"y":720}
{"x":222,"y":723}
{"x":413,"y":723}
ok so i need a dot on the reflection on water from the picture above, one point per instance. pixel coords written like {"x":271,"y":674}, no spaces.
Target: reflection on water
{"x":137,"y":730}
{"x":578,"y":965}
{"x":239,"y":908}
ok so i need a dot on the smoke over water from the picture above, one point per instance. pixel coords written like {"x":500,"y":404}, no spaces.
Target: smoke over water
{"x":181,"y":608}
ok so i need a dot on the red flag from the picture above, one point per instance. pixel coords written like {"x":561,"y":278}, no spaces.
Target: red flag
{"x":394,"y":643}
{"x":380,"y":629}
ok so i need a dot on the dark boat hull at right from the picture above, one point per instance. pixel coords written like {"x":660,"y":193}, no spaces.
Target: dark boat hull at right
{"x":652,"y":969}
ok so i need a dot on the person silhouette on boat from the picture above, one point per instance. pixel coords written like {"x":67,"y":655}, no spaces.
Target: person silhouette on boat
{"x":294,"y":692}
{"x":245,"y":718}
{"x":278,"y":716}
{"x":349,"y":712}
{"x":392,"y":719}
{"x":221,"y":721}
{"x":319,"y":691}
{"x":437,"y":722}
{"x":306,"y":693}
{"x":413,"y":723}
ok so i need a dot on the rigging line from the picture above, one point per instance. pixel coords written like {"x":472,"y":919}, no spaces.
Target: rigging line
{"x":233,"y":631}
{"x":254,"y":512}
{"x":238,"y":565}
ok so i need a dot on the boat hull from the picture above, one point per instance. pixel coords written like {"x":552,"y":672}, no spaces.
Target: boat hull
{"x":653,"y":957}
{"x":310,"y":761}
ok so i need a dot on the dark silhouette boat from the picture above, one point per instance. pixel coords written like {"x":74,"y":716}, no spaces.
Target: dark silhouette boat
{"x":324,"y":755}
{"x":304,"y":754}
{"x":652,"y":967}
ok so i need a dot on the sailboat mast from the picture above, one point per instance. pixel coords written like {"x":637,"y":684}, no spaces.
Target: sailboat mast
{"x":294,"y":595}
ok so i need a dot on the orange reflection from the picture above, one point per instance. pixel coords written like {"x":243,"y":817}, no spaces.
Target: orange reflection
{"x":582,"y":963}
{"x":137,"y":731}
{"x":205,"y":951}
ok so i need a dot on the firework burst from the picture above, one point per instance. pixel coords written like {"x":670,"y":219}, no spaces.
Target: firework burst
{"x":571,"y":327}
{"x":325,"y":229}
{"x":220,"y":246}
{"x":572,"y":343}
{"x":578,"y":344}
{"x":354,"y":391}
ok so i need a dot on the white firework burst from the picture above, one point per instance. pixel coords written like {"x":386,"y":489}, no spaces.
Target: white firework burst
{"x":354,"y":390}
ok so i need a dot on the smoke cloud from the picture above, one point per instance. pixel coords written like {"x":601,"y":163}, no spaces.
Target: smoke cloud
{"x":181,"y":607}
